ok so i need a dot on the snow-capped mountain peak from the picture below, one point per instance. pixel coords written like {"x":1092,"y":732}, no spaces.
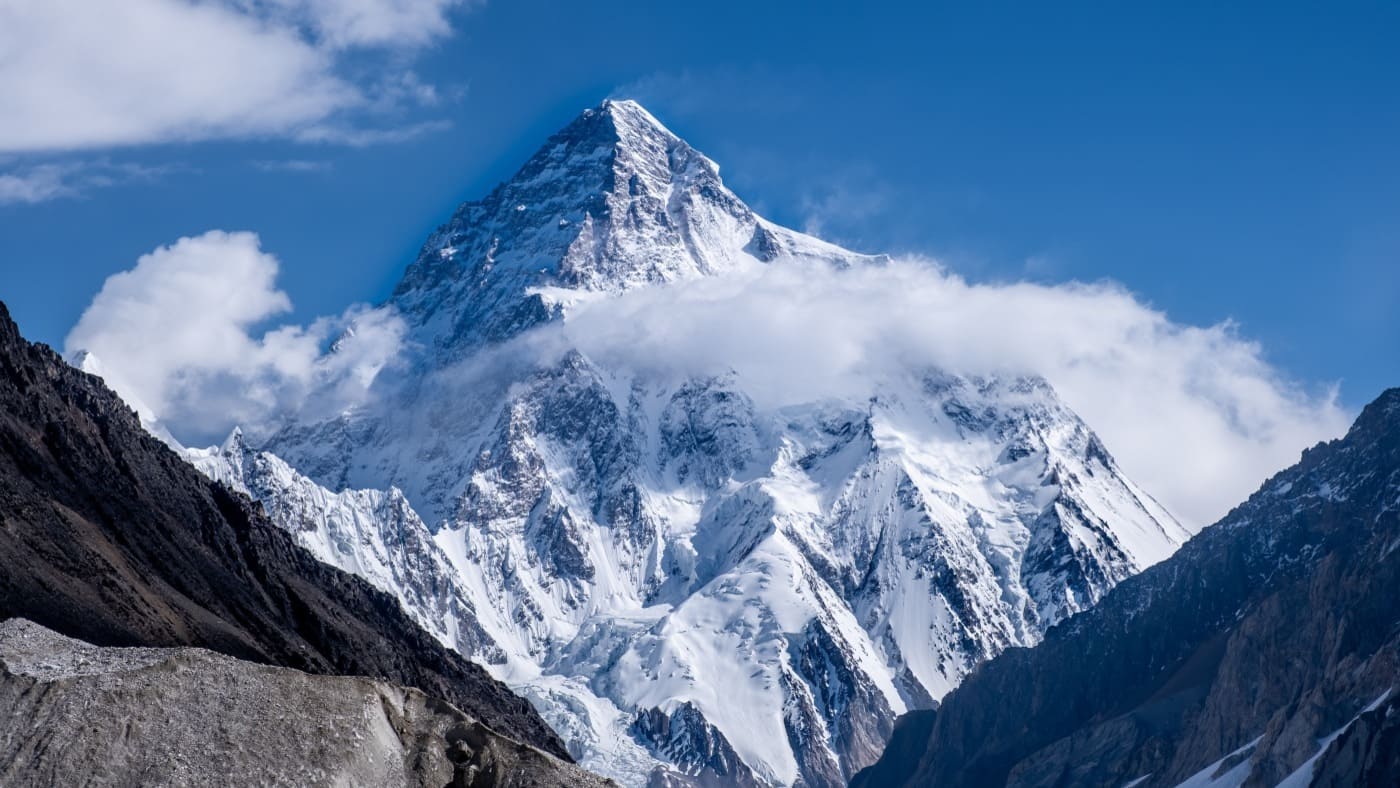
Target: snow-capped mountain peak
{"x":686,"y":581}
{"x":611,"y":202}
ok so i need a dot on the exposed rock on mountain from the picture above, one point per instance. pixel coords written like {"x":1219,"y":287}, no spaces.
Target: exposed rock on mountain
{"x":375,"y":535}
{"x":109,"y":536}
{"x":1265,"y":652}
{"x":693,"y":747}
{"x":75,"y":714}
{"x":689,"y":584}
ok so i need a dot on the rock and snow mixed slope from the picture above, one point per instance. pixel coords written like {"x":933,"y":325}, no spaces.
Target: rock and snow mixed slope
{"x":688,"y":583}
{"x":109,"y":536}
{"x":369,"y":533}
{"x":1266,"y":652}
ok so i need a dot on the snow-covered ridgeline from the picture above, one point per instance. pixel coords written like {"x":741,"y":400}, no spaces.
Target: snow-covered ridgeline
{"x":680,"y":578}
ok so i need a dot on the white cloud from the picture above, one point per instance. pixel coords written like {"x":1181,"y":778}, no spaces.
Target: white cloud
{"x":80,"y":74}
{"x":361,"y":137}
{"x":84,"y":74}
{"x":840,"y":201}
{"x":52,"y":180}
{"x":292,"y":165}
{"x":176,"y":334}
{"x":346,"y":23}
{"x":36,"y":184}
{"x":1196,"y":415}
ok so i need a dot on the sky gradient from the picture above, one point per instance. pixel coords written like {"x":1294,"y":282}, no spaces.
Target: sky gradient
{"x":1232,"y":163}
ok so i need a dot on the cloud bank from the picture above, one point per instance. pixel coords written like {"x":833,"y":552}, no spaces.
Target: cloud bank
{"x":177,"y":337}
{"x":83,"y":74}
{"x":1196,"y":415}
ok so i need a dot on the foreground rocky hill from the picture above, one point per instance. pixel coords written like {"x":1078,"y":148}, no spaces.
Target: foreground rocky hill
{"x":76,"y":714}
{"x":1265,"y":652}
{"x":109,"y":536}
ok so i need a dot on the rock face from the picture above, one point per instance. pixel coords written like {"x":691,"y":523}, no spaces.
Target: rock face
{"x":108,"y":535}
{"x":688,"y":585}
{"x":78,"y":714}
{"x":375,"y":535}
{"x":1265,"y":652}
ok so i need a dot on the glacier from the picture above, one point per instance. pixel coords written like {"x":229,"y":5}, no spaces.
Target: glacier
{"x":694,"y":587}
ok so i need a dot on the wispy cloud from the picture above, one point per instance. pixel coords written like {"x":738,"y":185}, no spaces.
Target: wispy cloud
{"x":54,"y":180}
{"x":344,"y":24}
{"x":837,"y":204}
{"x":360,"y":136}
{"x":690,"y":92}
{"x":836,"y":194}
{"x":36,"y":184}
{"x":292,"y":165}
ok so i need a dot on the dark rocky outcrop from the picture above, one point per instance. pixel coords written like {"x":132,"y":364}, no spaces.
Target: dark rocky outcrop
{"x":77,"y":714}
{"x":1270,"y":643}
{"x":108,"y":536}
{"x":695,"y":748}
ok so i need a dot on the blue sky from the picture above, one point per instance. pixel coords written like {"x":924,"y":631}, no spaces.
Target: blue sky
{"x":1232,"y":163}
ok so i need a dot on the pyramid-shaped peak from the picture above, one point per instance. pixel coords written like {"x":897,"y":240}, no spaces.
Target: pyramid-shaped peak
{"x":615,"y":118}
{"x":613,"y":170}
{"x":625,"y":133}
{"x":613,"y":200}
{"x":627,"y":113}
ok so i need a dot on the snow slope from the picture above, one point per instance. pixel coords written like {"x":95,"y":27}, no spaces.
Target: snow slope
{"x":684,"y":582}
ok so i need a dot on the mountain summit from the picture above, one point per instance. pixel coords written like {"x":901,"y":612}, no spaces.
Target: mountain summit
{"x":693,"y":587}
{"x":611,"y":202}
